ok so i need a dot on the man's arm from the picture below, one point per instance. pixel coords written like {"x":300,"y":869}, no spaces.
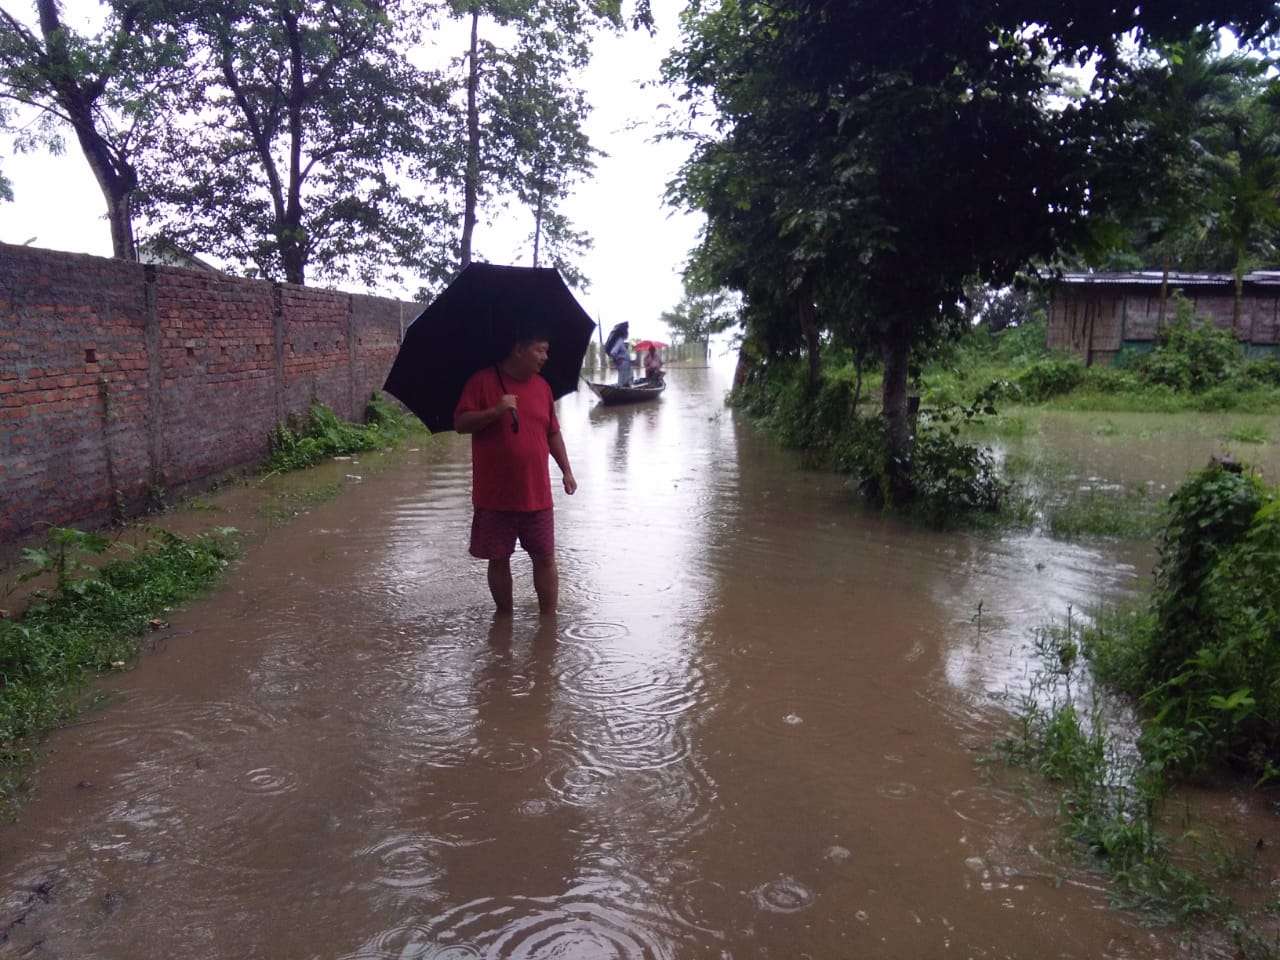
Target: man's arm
{"x":555,"y":442}
{"x":473,"y":421}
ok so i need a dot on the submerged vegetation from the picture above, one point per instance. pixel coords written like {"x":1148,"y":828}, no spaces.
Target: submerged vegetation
{"x":305,"y":441}
{"x":989,"y":387}
{"x":95,"y":602}
{"x":1181,"y":690}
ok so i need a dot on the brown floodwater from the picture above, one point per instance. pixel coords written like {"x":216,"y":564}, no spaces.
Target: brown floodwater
{"x":754,"y":729}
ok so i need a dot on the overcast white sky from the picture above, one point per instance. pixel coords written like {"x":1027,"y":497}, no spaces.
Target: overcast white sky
{"x":640,"y":244}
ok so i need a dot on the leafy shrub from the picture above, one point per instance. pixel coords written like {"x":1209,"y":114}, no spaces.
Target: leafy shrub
{"x":1024,"y":343}
{"x":89,"y":620}
{"x":1051,"y":378}
{"x":1264,"y":372}
{"x":1191,"y":355}
{"x":1110,"y":380}
{"x":1213,"y":655}
{"x":953,"y":477}
{"x":304,"y":442}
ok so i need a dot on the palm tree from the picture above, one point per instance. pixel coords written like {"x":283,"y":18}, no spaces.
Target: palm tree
{"x":1245,"y":168}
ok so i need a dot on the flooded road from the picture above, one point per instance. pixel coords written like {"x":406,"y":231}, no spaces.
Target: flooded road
{"x":752,"y":731}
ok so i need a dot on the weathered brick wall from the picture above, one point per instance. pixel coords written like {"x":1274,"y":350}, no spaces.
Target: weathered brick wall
{"x":119,"y":380}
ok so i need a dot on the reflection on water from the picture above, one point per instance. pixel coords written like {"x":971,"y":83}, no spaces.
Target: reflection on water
{"x":750,"y":731}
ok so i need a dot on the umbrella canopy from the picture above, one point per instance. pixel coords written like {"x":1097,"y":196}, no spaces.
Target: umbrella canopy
{"x":644,"y":345}
{"x":473,"y":323}
{"x":620,"y":331}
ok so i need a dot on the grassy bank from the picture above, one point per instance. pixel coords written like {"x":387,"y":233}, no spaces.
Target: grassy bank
{"x":84,"y":603}
{"x":1130,"y":707}
{"x":101,"y":600}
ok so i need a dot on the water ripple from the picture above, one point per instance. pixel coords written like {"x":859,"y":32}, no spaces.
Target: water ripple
{"x":528,"y":928}
{"x":578,"y":785}
{"x":783,"y":895}
{"x":815,"y":718}
{"x":267,"y":782}
{"x":634,"y":743}
{"x":404,"y":862}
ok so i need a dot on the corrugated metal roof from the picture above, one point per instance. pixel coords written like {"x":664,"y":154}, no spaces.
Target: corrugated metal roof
{"x":1148,"y":278}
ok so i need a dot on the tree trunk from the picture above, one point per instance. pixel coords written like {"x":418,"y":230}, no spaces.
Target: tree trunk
{"x":537,"y":228}
{"x":471,"y":177}
{"x":812,"y":343}
{"x":859,"y":362}
{"x":293,"y":256}
{"x":894,"y":352}
{"x":117,"y":179}
{"x":117,"y":182}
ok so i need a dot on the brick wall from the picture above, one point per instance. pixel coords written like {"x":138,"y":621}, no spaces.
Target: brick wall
{"x":119,"y":379}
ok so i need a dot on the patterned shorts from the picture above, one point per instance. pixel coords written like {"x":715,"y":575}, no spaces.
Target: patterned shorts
{"x":494,"y":533}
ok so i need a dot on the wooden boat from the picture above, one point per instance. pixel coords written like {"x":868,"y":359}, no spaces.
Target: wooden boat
{"x":643,"y":389}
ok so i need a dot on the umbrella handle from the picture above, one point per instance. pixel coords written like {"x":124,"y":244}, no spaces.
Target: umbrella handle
{"x":515,"y":421}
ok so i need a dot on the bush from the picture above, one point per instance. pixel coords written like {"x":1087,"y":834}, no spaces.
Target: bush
{"x":1191,"y":355}
{"x":1110,"y":380}
{"x":305,"y":442}
{"x":1051,"y":378}
{"x":1024,"y":343}
{"x":1265,"y":371}
{"x":1213,"y":655}
{"x":952,"y":478}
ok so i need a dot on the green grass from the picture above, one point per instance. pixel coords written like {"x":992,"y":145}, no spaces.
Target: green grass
{"x":1247,"y":433}
{"x":1128,"y":514}
{"x":306,"y":441}
{"x":1110,"y":800}
{"x":91,"y":617}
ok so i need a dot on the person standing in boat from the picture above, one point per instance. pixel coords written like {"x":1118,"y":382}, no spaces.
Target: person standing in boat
{"x":620,"y":353}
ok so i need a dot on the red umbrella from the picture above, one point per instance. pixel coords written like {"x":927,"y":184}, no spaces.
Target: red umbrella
{"x":644,"y":345}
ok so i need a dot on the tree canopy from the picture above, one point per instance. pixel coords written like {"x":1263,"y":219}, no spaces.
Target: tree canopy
{"x":107,"y":88}
{"x":305,"y":139}
{"x":871,"y":158}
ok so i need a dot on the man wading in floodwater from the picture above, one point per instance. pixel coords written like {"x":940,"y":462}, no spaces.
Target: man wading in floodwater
{"x":510,"y":413}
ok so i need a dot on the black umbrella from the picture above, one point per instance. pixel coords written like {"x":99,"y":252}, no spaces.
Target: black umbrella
{"x":474,"y":323}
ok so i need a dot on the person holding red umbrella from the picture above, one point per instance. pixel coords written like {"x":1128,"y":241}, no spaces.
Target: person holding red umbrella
{"x":509,"y":411}
{"x":653,"y":364}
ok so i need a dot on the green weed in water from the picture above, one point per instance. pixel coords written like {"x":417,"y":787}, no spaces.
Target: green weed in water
{"x":304,"y":442}
{"x":1247,"y":433}
{"x":1127,"y":514}
{"x":1109,"y":795}
{"x":90,"y":620}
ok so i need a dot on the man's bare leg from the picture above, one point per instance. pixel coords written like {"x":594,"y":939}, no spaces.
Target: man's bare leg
{"x":500,"y":584}
{"x":546,"y":583}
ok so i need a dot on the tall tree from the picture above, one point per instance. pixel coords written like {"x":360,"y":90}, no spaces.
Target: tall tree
{"x":698,"y":315}
{"x":523,"y":112}
{"x":926,"y":145}
{"x":1244,"y":164}
{"x":311,"y":145}
{"x":107,"y":88}
{"x":1181,"y":99}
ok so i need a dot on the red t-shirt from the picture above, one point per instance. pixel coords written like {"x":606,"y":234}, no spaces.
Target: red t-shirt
{"x":509,"y":471}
